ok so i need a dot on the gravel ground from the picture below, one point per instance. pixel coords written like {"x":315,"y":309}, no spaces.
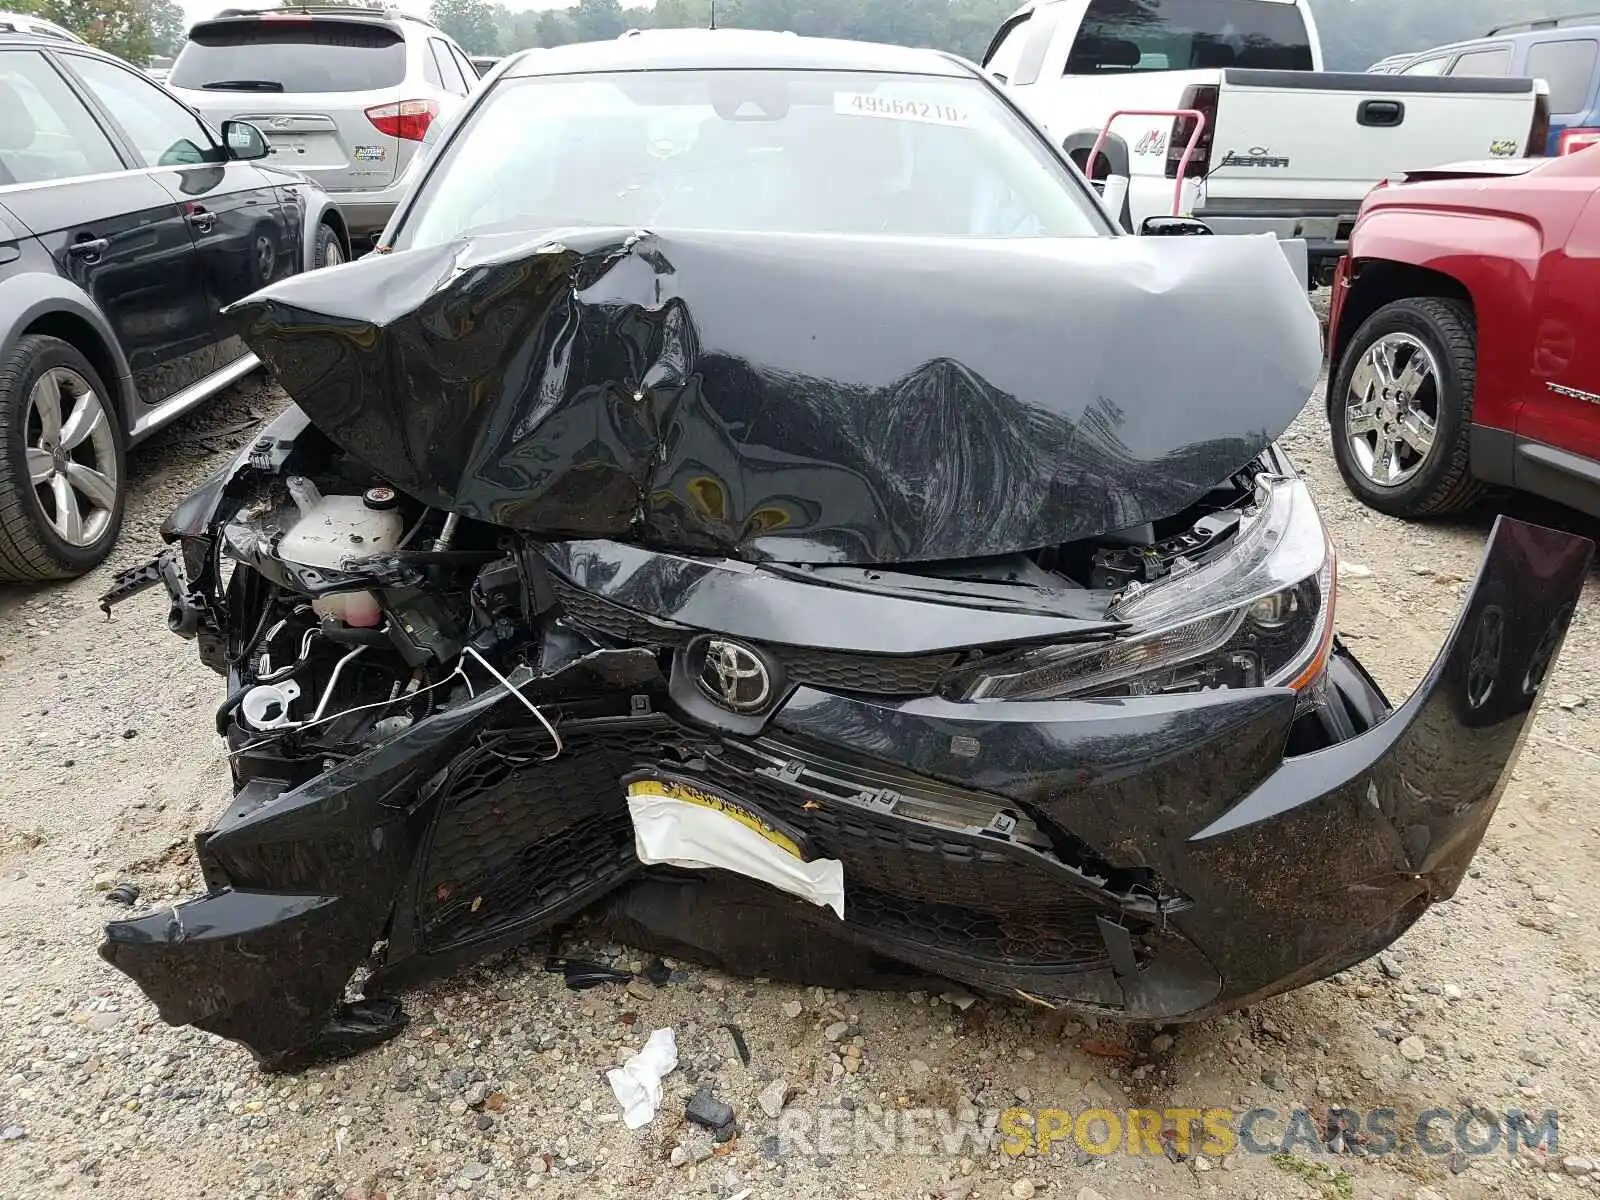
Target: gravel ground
{"x":498,"y":1087}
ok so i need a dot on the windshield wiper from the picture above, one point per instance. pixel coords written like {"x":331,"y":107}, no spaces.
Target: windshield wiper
{"x":242,"y":85}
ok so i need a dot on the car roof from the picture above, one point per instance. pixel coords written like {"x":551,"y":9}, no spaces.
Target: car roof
{"x":731,"y":49}
{"x":36,"y":41}
{"x":1515,"y":37}
{"x":31,"y":25}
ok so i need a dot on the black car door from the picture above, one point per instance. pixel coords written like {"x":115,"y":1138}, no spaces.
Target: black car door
{"x":242,"y":231}
{"x":110,"y":228}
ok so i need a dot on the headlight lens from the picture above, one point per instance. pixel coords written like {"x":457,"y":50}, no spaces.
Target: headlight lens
{"x":1258,"y":615}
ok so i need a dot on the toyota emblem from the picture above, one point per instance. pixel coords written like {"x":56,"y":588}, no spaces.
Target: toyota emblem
{"x":734,"y":676}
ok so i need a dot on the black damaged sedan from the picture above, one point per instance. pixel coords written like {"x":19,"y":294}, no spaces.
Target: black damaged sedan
{"x":756,"y":501}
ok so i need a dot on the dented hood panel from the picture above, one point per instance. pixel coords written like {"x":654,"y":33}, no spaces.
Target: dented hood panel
{"x":800,"y":398}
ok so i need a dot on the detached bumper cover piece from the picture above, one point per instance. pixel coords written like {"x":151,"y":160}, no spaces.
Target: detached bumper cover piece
{"x":1159,"y":857}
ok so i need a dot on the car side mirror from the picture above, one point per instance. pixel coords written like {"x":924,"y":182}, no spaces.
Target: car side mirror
{"x":1173,"y":227}
{"x":243,"y":140}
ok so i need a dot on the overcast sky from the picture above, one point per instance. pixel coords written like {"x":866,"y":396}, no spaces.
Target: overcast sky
{"x":198,"y":10}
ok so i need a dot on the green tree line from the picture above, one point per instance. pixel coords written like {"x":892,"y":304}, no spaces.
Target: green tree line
{"x":137,"y":30}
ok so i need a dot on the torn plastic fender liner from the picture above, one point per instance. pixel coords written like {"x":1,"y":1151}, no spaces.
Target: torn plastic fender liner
{"x":301,"y":884}
{"x":801,"y":398}
{"x":1295,"y":867}
{"x":197,"y":513}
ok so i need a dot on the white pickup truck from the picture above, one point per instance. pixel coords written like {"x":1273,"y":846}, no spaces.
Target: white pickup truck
{"x":1286,"y":148}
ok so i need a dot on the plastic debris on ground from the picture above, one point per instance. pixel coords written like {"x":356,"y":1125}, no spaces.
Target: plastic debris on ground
{"x":637,"y":1083}
{"x":581,"y":974}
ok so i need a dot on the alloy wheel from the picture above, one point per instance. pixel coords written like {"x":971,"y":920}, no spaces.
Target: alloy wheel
{"x":266,"y":259}
{"x":1391,"y":415}
{"x":72,"y":460}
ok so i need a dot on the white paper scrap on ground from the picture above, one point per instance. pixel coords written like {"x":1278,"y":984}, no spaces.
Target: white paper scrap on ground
{"x":672,"y":832}
{"x":637,"y":1082}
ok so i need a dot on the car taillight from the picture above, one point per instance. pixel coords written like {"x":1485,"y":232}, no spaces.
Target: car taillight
{"x":1573,"y":140}
{"x":1204,"y":98}
{"x":1539,"y":135}
{"x":405,"y":119}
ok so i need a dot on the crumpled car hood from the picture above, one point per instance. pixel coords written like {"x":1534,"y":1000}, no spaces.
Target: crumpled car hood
{"x":800,"y":398}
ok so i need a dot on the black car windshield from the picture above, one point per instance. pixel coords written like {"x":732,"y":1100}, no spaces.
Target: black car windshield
{"x":1178,"y":35}
{"x":290,"y":54}
{"x":760,"y":151}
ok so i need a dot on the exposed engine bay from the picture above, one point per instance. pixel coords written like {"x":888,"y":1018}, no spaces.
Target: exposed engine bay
{"x":874,"y":743}
{"x":322,"y":666}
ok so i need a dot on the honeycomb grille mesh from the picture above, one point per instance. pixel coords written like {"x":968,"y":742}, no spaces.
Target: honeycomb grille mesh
{"x":955,"y":891}
{"x":837,"y":670}
{"x":875,"y":674}
{"x":515,"y":838}
{"x":1016,"y":939}
{"x":621,"y":624}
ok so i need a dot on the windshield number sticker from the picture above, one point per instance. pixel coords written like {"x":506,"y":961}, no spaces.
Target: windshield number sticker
{"x":860,"y":104}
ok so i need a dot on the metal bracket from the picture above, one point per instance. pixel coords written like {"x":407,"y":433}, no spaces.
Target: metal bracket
{"x":1001,"y":825}
{"x":883,"y":801}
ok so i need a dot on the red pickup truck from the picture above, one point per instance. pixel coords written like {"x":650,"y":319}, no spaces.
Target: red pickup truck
{"x":1464,"y":337}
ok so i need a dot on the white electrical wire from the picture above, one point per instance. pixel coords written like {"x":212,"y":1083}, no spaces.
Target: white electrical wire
{"x":333,"y":679}
{"x":460,"y":670}
{"x":526,"y":703}
{"x":348,"y":711}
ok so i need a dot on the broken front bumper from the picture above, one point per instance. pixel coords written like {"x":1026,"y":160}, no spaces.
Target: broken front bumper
{"x":1156,"y":857}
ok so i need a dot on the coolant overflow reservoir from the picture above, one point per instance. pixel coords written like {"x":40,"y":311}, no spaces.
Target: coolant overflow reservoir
{"x":332,"y":529}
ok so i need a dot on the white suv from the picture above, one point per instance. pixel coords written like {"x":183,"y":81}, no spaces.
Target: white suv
{"x":344,"y":95}
{"x":15,"y":22}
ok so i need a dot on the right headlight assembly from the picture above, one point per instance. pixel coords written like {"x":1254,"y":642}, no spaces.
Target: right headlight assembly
{"x":1259,"y":614}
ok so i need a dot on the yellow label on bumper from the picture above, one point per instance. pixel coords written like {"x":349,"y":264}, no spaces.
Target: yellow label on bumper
{"x":719,"y":804}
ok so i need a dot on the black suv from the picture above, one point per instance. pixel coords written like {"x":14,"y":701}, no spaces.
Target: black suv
{"x":126,"y":224}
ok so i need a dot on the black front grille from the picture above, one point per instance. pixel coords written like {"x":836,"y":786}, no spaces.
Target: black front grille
{"x":803,"y":666}
{"x":874,"y":674}
{"x":516,"y":839}
{"x":1014,"y":939}
{"x":590,"y":611}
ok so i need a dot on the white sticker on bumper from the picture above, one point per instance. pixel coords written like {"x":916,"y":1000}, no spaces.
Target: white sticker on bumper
{"x":670,"y":831}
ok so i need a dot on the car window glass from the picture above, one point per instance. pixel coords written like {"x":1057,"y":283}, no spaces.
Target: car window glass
{"x":289,"y":55}
{"x":1119,"y":37}
{"x":464,"y":65}
{"x":1427,"y":66}
{"x":796,"y":152}
{"x":447,"y":67}
{"x":163,"y":131}
{"x":45,"y":131}
{"x":1568,"y":67}
{"x":1003,"y":62}
{"x":1483,"y":62}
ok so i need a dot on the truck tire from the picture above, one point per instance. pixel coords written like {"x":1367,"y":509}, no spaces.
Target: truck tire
{"x":62,"y":471}
{"x":1401,"y":408}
